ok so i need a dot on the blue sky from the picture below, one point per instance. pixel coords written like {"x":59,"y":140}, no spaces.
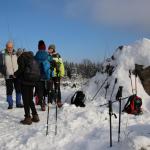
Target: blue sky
{"x":80,"y":28}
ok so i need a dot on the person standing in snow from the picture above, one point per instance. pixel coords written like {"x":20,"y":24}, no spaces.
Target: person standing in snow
{"x":41,"y":87}
{"x":10,"y":66}
{"x":25,"y":62}
{"x":58,"y":68}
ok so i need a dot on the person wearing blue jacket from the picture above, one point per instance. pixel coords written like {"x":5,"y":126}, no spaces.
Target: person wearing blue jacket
{"x":41,"y":87}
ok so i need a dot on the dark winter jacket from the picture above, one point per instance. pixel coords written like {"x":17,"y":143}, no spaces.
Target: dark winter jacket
{"x":23,"y":60}
{"x":2,"y":65}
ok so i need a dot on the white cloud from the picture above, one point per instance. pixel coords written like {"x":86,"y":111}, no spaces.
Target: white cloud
{"x":124,"y":13}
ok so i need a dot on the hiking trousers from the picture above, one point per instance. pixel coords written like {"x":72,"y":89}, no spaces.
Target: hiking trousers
{"x":27,"y":96}
{"x":56,"y":86}
{"x":11,"y":84}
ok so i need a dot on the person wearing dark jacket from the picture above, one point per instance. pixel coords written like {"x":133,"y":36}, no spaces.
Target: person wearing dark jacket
{"x":26,"y":88}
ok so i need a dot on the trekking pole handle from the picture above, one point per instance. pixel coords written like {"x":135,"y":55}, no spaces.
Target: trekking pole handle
{"x":119,"y":93}
{"x":129,"y":73}
{"x":115,"y":80}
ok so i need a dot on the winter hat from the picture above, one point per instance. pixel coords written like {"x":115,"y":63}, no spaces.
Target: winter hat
{"x":52,"y":46}
{"x":41,"y":45}
{"x":20,"y":51}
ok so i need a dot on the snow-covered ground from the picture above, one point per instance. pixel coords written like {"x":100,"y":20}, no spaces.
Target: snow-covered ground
{"x":85,"y":128}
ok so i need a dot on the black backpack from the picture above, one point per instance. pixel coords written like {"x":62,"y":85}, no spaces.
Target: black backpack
{"x":32,"y":71}
{"x":2,"y":66}
{"x":78,"y":99}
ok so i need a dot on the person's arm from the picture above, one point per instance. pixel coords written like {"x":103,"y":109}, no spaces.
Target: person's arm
{"x":21,"y":67}
{"x":62,"y":68}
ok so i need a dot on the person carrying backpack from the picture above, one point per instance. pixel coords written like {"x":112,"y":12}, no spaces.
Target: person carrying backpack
{"x":58,"y":71}
{"x":8,"y":66}
{"x":29,"y":73}
{"x":42,"y":58}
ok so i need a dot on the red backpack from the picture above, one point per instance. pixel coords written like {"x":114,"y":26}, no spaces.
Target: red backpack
{"x":133,"y":105}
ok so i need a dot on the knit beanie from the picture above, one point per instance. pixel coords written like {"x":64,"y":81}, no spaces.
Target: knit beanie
{"x":41,"y":45}
{"x":52,"y":46}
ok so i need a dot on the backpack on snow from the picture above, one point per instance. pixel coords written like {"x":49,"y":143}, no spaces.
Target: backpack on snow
{"x":78,"y":99}
{"x":133,"y":105}
{"x":32,"y":71}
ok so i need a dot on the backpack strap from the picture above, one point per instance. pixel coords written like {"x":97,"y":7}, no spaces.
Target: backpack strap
{"x":72,"y":99}
{"x":128,"y":102}
{"x":2,"y":63}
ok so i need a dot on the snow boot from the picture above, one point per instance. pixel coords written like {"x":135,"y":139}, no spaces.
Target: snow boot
{"x":19,"y":106}
{"x":43,"y":107}
{"x":10,"y":101}
{"x":59,"y":104}
{"x":26,"y":121}
{"x":10,"y":107}
{"x":18,"y":100}
{"x":35,"y":118}
{"x":37,"y":100}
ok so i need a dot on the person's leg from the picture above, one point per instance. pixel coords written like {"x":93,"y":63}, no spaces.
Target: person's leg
{"x":9,"y":91}
{"x":31,"y":103}
{"x":57,"y":91}
{"x":50,"y":91}
{"x":40,"y":87}
{"x":35,"y":117}
{"x":17,"y":85}
{"x":39,"y":91}
{"x":25,"y":96}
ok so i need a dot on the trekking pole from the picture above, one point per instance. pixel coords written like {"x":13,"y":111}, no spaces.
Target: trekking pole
{"x":56,"y":121}
{"x":131,"y":81}
{"x":47,"y":119}
{"x":48,"y":115}
{"x":48,"y":108}
{"x":113,"y":88}
{"x":135,"y":82}
{"x":111,"y":113}
{"x":118,"y":97}
{"x":99,"y":89}
{"x":106,"y":87}
{"x":57,"y":83}
{"x":110,"y":122}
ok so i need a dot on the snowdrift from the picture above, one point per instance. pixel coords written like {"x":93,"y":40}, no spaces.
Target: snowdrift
{"x":123,"y":60}
{"x":85,"y":128}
